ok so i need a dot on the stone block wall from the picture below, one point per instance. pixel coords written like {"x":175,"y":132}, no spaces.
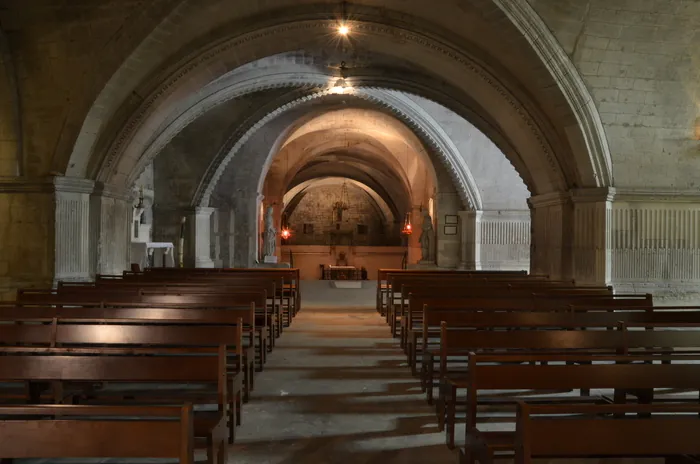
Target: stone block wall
{"x":316,"y":209}
{"x":641,"y":61}
{"x":27,"y":238}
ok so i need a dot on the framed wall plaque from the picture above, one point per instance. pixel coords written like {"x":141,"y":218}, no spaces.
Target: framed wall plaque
{"x":451,"y":219}
{"x":450,"y":230}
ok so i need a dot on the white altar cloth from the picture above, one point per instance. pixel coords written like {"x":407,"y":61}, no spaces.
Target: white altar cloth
{"x":140,"y":252}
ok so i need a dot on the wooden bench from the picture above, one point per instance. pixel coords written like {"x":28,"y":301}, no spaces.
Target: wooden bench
{"x":416,"y":327}
{"x":96,"y":298}
{"x":555,"y":342}
{"x":136,"y":334}
{"x":489,"y":372}
{"x":77,"y":431}
{"x":418,"y":303}
{"x":145,"y":314}
{"x":383,"y":285}
{"x":291,"y":289}
{"x":485,"y":293}
{"x":550,"y":431}
{"x":60,"y":367}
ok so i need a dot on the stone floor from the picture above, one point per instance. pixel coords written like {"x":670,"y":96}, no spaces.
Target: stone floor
{"x":337,"y":390}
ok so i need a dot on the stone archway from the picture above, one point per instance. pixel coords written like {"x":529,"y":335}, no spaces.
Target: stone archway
{"x":546,"y":148}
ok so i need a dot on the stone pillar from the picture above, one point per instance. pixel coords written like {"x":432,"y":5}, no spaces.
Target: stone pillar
{"x":199,"y":246}
{"x":110,"y":230}
{"x":216,"y":238}
{"x":592,"y":236}
{"x":550,"y":249}
{"x":448,"y":244}
{"x":246,"y":209}
{"x":470,"y":235}
{"x":72,"y":229}
{"x":414,"y":250}
{"x":27,"y":234}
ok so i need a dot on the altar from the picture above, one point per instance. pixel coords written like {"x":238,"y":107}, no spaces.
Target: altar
{"x":152,"y":254}
{"x":342,"y":273}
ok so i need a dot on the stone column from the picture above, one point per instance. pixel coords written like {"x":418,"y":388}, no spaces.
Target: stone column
{"x":592,"y":235}
{"x":470,"y":234}
{"x":448,"y":244}
{"x":72,"y":229}
{"x":199,"y":247}
{"x":110,"y":230}
{"x":550,"y":249}
{"x":414,"y":250}
{"x":27,"y":234}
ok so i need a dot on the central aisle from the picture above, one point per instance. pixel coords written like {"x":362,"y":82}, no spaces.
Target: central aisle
{"x":337,"y":390}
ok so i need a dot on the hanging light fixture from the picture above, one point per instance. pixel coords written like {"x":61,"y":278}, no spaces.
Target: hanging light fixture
{"x":341,"y":85}
{"x":343,"y":26}
{"x":407,"y":227}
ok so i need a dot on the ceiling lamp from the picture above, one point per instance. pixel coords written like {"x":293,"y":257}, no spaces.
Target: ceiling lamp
{"x":343,"y":29}
{"x":342,"y":86}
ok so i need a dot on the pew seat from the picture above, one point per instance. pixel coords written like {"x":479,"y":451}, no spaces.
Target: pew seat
{"x":77,"y":431}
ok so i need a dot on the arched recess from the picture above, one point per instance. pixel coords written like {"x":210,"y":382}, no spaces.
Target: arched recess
{"x":407,"y":111}
{"x":519,"y":13}
{"x":480,"y":91}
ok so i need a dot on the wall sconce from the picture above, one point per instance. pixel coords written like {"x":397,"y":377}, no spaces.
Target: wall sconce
{"x":407,"y":228}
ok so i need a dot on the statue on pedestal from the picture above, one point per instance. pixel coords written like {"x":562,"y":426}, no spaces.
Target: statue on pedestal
{"x":270,"y":240}
{"x":427,"y":238}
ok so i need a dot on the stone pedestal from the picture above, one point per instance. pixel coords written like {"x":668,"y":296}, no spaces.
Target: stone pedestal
{"x":199,"y":226}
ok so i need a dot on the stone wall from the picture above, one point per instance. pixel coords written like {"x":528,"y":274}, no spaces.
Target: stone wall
{"x":497,"y":240}
{"x":27,"y":239}
{"x":315,"y":210}
{"x":655,"y":246}
{"x":641,"y":61}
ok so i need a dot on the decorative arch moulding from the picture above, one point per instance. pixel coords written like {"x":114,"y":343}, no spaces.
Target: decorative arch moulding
{"x":460,"y":175}
{"x":216,"y":51}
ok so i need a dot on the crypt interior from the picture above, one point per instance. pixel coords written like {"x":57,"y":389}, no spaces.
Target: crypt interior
{"x":559,"y":138}
{"x":540,"y":135}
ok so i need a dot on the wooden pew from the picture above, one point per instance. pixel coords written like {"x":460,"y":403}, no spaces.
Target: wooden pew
{"x":77,"y":431}
{"x":291,"y":288}
{"x":502,"y":373}
{"x":259,"y":324}
{"x":613,"y":431}
{"x":556,"y":301}
{"x":383,"y":285}
{"x":435,"y":310}
{"x":486,"y":292}
{"x":648,"y":343}
{"x":59,"y":366}
{"x":136,"y":334}
{"x":223,"y":318}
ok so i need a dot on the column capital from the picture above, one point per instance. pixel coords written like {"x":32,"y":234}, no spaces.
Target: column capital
{"x":73,"y":185}
{"x":548,"y":199}
{"x":203,"y":211}
{"x":112,"y":191}
{"x":48,"y":184}
{"x":593,"y":195}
